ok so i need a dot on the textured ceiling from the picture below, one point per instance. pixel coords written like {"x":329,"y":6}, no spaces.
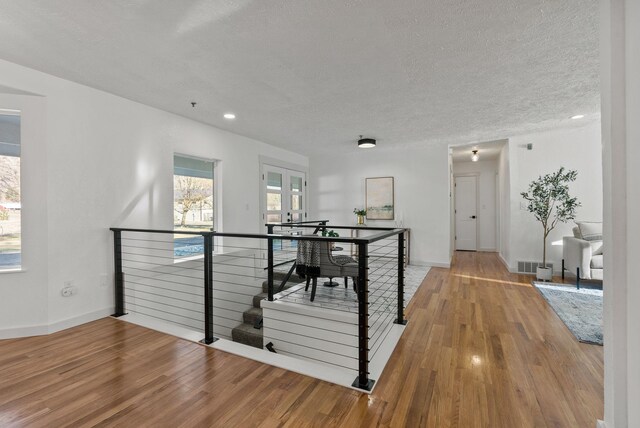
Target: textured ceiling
{"x":313,"y":75}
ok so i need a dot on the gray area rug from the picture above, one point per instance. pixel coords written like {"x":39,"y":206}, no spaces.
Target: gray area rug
{"x":580,"y":310}
{"x":413,"y":277}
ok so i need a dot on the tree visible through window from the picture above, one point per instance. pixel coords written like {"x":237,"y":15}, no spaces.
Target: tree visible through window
{"x":10,"y":201}
{"x":193,"y":202}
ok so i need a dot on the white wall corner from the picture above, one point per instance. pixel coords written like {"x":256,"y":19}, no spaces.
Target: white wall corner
{"x":44,"y":329}
{"x":504,"y":261}
{"x":16,"y":332}
{"x":80,"y":319}
{"x":425,"y":263}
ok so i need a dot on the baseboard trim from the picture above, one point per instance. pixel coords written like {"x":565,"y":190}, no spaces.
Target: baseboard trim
{"x":487,"y":250}
{"x":430,"y":264}
{"x":600,"y":424}
{"x":504,"y":262}
{"x":16,"y":332}
{"x":44,"y":329}
{"x":79,"y":319}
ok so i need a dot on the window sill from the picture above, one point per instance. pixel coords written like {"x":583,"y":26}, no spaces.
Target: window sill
{"x":188,"y":258}
{"x":12,"y":270}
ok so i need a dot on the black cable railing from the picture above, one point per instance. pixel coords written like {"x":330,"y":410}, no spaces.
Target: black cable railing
{"x":219,"y":283}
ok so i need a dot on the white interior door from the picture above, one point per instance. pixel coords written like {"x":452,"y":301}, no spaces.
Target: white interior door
{"x":465,"y":212}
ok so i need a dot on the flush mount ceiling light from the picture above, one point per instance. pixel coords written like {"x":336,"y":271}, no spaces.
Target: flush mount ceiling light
{"x":474,"y":156}
{"x":229,"y":116}
{"x":366,"y":143}
{"x":577,"y":116}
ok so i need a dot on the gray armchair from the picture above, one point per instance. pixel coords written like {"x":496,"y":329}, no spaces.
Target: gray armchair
{"x":327,"y":266}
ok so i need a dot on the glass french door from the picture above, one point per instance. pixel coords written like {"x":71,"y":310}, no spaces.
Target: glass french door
{"x":285,"y":200}
{"x":285,"y":195}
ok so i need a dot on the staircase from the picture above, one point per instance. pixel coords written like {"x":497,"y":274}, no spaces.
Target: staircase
{"x":247,"y":333}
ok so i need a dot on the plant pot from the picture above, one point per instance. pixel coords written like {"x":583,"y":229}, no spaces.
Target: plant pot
{"x":544,"y":273}
{"x":360,"y":219}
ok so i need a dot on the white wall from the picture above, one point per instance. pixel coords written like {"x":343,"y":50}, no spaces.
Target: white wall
{"x":105,"y":161}
{"x":421,"y":194}
{"x":452,"y":203}
{"x":486,"y":172}
{"x":620,"y":59}
{"x":573,"y":148}
{"x":632,"y":53}
{"x":504,"y":196}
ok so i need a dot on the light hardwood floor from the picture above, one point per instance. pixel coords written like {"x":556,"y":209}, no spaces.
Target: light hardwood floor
{"x":482,"y":349}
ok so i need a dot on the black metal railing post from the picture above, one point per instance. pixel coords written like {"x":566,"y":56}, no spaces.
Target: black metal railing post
{"x":118,"y":274}
{"x":208,"y":288}
{"x":401,"y":319}
{"x":270,"y":264}
{"x":363,"y":381}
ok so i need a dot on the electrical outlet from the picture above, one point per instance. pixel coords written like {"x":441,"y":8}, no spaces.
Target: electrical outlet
{"x":69,"y":289}
{"x":67,"y":292}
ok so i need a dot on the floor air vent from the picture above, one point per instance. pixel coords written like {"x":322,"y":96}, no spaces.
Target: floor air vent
{"x":530,"y":267}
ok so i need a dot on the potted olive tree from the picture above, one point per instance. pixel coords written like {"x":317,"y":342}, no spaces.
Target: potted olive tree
{"x":550,"y":203}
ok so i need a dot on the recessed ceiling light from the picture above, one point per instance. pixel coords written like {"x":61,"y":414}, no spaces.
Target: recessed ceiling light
{"x":229,"y":116}
{"x":577,"y":116}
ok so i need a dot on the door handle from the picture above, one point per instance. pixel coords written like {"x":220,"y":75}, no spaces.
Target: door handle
{"x":472,"y":216}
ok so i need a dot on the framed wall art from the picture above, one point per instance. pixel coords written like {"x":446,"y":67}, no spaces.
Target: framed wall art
{"x":379,"y":198}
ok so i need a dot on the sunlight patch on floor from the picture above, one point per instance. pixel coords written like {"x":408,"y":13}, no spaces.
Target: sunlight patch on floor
{"x":497,"y":281}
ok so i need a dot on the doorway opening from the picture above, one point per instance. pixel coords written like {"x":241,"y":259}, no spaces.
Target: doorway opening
{"x":475,"y":209}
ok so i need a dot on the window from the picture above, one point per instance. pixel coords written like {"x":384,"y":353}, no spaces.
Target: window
{"x":193,"y":202}
{"x":10,"y":205}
